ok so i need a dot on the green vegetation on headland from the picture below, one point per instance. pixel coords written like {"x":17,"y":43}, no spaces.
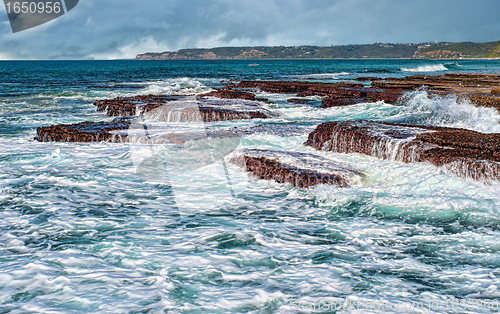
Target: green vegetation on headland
{"x":436,"y":50}
{"x":459,"y":50}
{"x":495,"y":53}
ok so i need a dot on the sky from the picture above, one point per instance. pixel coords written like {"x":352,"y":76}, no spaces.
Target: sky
{"x":120,"y":29}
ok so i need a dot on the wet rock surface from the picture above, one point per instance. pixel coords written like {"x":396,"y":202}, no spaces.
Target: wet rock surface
{"x":210,"y":109}
{"x":449,"y":82}
{"x":156,"y":108}
{"x":84,"y":132}
{"x":132,"y":106}
{"x":336,"y":94}
{"x":478,"y":88}
{"x":137,"y":130}
{"x":485,"y":101}
{"x":299,"y":169}
{"x":465,"y":153}
{"x":225,"y":93}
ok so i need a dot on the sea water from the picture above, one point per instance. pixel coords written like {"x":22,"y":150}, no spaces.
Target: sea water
{"x":145,"y":227}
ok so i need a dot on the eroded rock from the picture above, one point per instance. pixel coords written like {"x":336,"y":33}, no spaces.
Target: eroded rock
{"x":132,"y":106}
{"x":449,"y":83}
{"x":225,"y":93}
{"x":465,"y":153}
{"x":337,"y":94}
{"x":84,"y":132}
{"x":299,"y":169}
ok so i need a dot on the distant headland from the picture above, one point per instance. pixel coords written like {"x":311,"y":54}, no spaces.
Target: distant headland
{"x":431,"y":50}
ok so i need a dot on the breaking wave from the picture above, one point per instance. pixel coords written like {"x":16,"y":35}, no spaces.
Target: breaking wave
{"x":449,"y":111}
{"x":426,"y":68}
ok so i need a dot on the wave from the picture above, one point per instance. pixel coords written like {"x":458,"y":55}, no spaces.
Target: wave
{"x":449,"y":111}
{"x":426,"y":68}
{"x":174,"y":86}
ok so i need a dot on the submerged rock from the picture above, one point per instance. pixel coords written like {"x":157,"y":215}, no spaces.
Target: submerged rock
{"x":465,"y":153}
{"x":299,"y":169}
{"x":480,"y":89}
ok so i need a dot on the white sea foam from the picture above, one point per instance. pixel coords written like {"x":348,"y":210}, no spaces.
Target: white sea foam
{"x":426,"y":68}
{"x":177,"y":86}
{"x":449,"y":111}
{"x":81,"y":231}
{"x":171,"y":86}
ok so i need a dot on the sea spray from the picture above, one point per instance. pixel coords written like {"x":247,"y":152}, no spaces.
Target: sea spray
{"x":420,"y":107}
{"x":464,"y":153}
{"x":426,"y":68}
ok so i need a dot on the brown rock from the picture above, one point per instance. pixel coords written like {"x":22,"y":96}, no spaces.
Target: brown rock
{"x":342,"y":93}
{"x":229,"y":94}
{"x":174,"y":111}
{"x":298,"y":101}
{"x":367,"y":78}
{"x":186,"y":108}
{"x":131,"y":106}
{"x":465,"y":153}
{"x":83,"y":132}
{"x":299,"y":169}
{"x":330,"y":101}
{"x":485,"y":101}
{"x":281,"y":87}
{"x":456,"y":83}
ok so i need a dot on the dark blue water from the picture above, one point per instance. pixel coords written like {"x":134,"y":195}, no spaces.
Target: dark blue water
{"x":26,"y":77}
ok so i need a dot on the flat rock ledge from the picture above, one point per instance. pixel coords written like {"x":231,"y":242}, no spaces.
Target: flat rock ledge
{"x":479,"y":89}
{"x":226,"y":93}
{"x":84,"y":132}
{"x":336,"y":94}
{"x":464,"y":153}
{"x":212,"y":106}
{"x":299,"y":169}
{"x":133,"y":106}
{"x":153,"y":108}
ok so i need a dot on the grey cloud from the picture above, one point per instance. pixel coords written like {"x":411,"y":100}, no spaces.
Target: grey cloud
{"x":123,"y":28}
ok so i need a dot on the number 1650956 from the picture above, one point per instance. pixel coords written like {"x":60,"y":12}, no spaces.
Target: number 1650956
{"x":33,"y":7}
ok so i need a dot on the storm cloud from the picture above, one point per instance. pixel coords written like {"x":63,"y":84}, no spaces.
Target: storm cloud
{"x":115,"y":29}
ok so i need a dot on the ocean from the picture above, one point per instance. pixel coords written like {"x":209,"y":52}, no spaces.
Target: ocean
{"x":83,"y":228}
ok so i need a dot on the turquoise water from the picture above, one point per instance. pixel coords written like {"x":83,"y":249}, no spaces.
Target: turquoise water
{"x":83,"y":230}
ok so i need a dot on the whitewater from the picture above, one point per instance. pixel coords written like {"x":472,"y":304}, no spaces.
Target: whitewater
{"x":148,"y":226}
